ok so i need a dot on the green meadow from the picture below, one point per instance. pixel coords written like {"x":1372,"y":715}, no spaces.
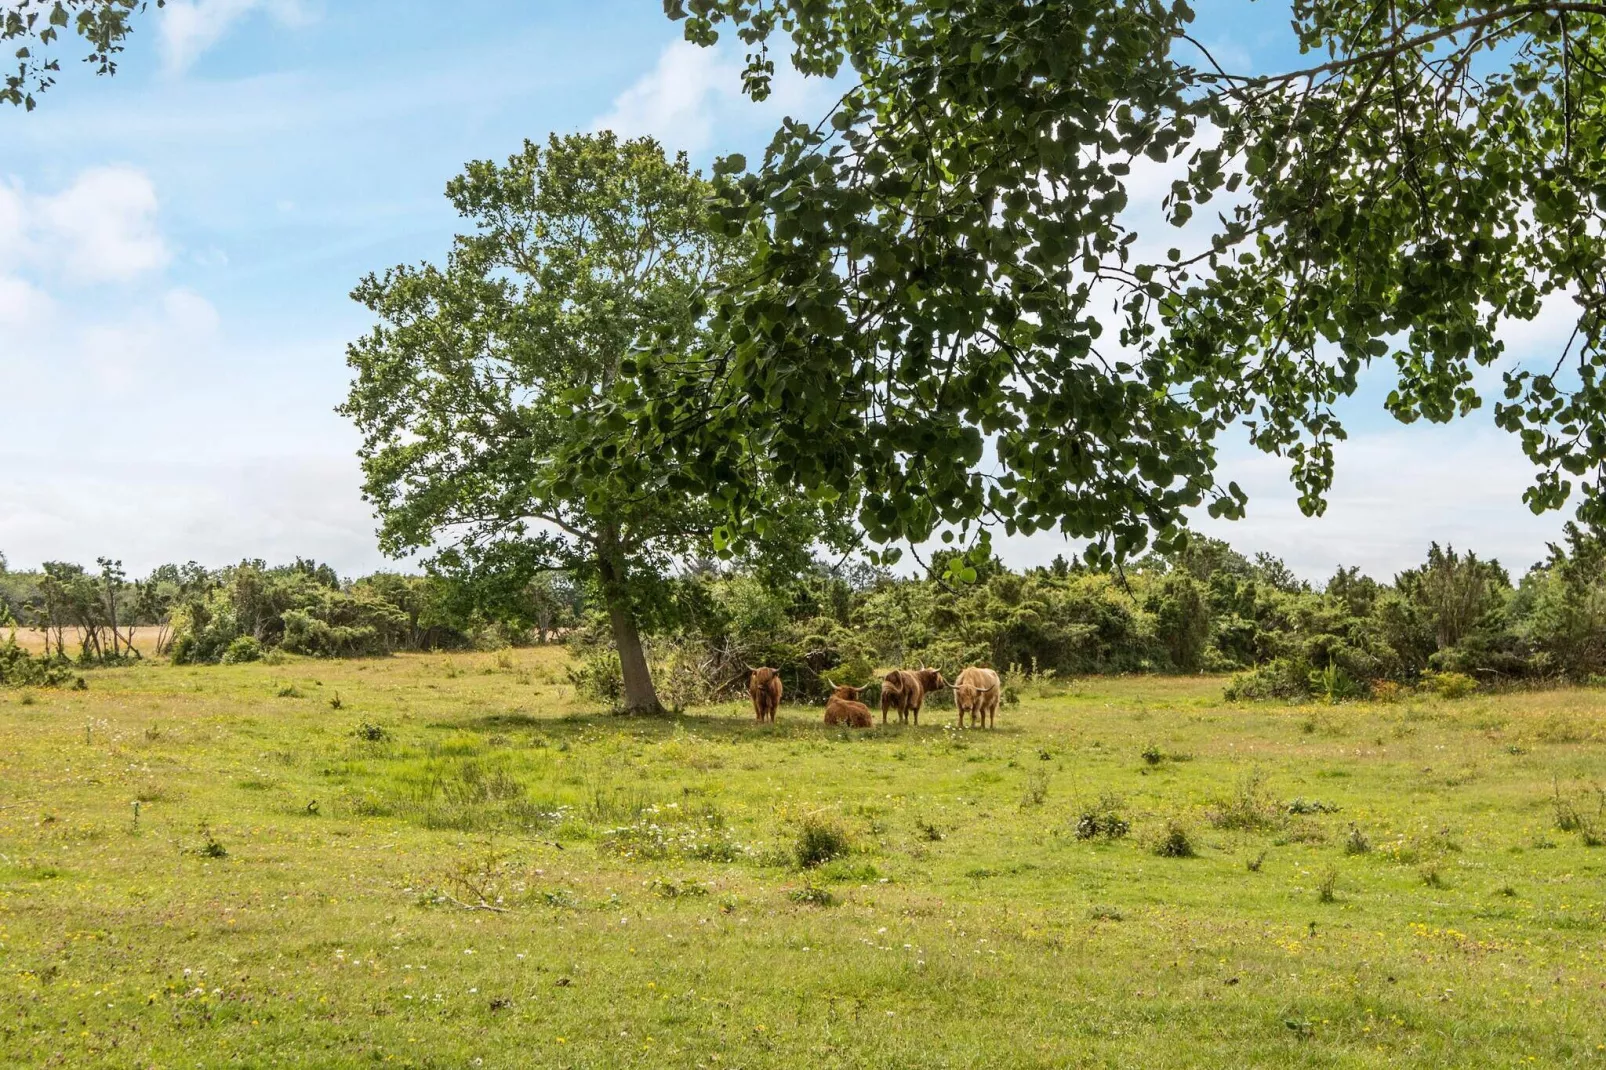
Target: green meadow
{"x":449,"y":861}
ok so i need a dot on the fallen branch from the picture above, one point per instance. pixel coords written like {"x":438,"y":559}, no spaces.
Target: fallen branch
{"x":473,"y":906}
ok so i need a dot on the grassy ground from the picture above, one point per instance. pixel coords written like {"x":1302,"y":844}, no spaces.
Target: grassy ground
{"x":299,"y":882}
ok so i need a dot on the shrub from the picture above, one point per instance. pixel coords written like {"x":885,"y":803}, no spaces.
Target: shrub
{"x":243,"y":649}
{"x":819,"y":839}
{"x":18,"y":668}
{"x":371,"y":733}
{"x":1388,"y":691}
{"x":1103,"y":821}
{"x":1333,"y":684}
{"x":1327,"y":887}
{"x":599,"y":676}
{"x":1284,"y":678}
{"x":1449,"y":685}
{"x":1175,"y":843}
{"x":1152,"y":755}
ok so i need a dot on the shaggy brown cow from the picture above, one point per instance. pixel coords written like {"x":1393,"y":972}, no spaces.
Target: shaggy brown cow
{"x":905,"y":690}
{"x":765,"y":688}
{"x":844,"y":707}
{"x":977,"y":692}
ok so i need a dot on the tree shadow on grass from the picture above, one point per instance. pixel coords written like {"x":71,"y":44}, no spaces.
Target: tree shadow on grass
{"x":804,"y":723}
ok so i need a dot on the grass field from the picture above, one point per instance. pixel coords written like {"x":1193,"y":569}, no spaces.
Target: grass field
{"x":33,"y":640}
{"x":283,"y":865}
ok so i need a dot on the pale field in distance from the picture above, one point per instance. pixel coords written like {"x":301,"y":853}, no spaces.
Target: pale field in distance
{"x":33,"y":640}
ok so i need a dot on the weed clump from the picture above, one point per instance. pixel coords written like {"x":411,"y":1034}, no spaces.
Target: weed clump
{"x":1249,"y":808}
{"x":819,"y":839}
{"x":1357,"y":842}
{"x":1327,"y":887}
{"x":1036,"y":789}
{"x":812,"y":895}
{"x":370,"y":733}
{"x":925,"y":830}
{"x":1176,"y":842}
{"x":1103,"y":821}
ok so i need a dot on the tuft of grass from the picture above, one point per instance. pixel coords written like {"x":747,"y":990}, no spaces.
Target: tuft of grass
{"x":819,"y":839}
{"x":1036,"y":792}
{"x":1327,"y":886}
{"x":1253,"y":865}
{"x":1249,"y":808}
{"x":1357,"y":842}
{"x":1175,"y":842}
{"x":813,"y":895}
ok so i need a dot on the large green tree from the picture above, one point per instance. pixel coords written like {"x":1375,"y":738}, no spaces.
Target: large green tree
{"x":931,"y":331}
{"x":482,"y":392}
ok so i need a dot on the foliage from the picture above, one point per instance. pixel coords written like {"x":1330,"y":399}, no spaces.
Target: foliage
{"x":31,"y":27}
{"x":819,"y":839}
{"x":483,"y":393}
{"x":934,"y":250}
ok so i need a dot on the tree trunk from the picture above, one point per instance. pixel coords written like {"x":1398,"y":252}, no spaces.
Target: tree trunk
{"x":640,"y":695}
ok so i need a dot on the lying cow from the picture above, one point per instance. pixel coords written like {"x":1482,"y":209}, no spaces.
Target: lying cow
{"x":844,"y":707}
{"x":977,"y":692}
{"x":764,"y":685}
{"x":905,"y":690}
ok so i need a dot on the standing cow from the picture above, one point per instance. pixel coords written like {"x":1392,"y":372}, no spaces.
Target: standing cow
{"x":905,"y":690}
{"x":977,"y":692}
{"x":764,"y":685}
{"x":844,"y":707}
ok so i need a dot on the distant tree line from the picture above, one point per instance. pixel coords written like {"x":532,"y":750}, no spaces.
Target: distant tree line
{"x":1205,"y":608}
{"x":197,"y":615}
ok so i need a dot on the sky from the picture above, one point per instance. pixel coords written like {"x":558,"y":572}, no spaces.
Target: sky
{"x":178,"y":243}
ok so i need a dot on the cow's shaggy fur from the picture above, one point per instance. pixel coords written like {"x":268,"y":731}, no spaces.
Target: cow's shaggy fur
{"x":905,"y":690}
{"x":765,"y":688}
{"x":977,"y":692}
{"x":844,"y":707}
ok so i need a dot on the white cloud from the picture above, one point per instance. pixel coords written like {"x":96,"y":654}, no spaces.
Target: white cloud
{"x":102,"y":228}
{"x":675,"y":102}
{"x":692,"y":101}
{"x":190,"y":27}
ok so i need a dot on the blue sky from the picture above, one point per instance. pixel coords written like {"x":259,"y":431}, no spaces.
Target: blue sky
{"x":177,"y":244}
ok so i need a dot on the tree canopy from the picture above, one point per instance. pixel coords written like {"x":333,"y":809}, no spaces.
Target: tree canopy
{"x":929,"y":329}
{"x":482,"y":393}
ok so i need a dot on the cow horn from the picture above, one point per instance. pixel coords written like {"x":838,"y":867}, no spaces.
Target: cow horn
{"x":827,"y":679}
{"x":984,"y":689}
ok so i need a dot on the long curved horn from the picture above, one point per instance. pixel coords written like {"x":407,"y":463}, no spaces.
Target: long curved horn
{"x":827,"y":679}
{"x":984,"y":690}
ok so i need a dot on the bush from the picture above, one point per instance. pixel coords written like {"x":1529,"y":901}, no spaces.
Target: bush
{"x":1449,"y":685}
{"x":819,"y":839}
{"x":243,"y":649}
{"x":18,"y":668}
{"x":599,"y":676}
{"x":1284,"y":678}
{"x":1175,"y":843}
{"x":1103,"y":821}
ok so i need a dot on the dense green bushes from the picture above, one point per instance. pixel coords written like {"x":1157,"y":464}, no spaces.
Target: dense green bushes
{"x":1455,"y":622}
